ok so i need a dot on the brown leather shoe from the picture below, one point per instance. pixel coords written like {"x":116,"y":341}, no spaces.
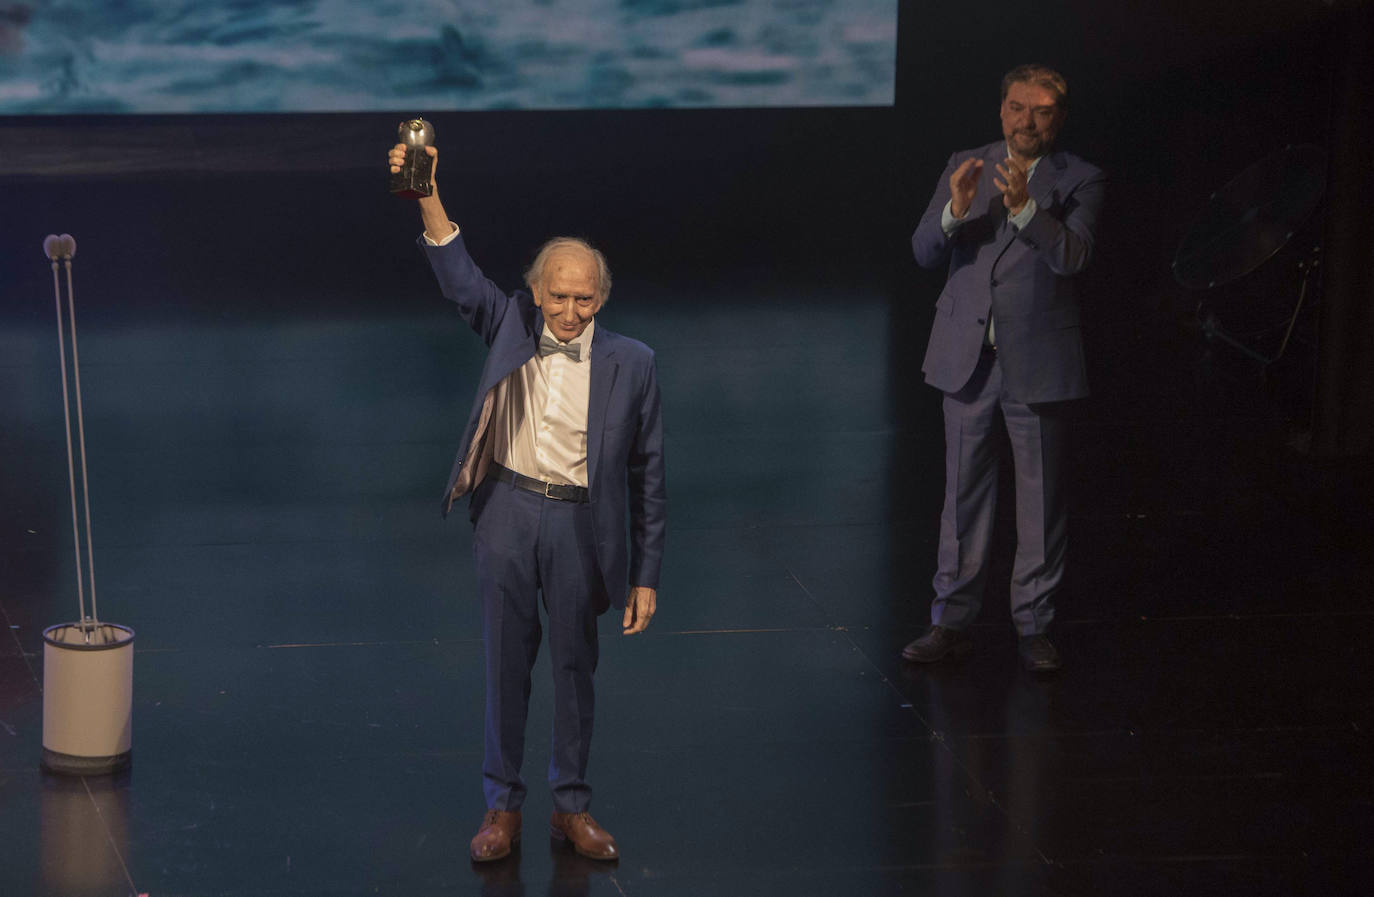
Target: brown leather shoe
{"x":938,"y":643}
{"x":588,"y":839}
{"x":500,"y":829}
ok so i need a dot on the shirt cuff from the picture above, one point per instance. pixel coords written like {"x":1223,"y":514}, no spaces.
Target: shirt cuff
{"x":948,"y":223}
{"x":1023,"y":217}
{"x":445,"y":241}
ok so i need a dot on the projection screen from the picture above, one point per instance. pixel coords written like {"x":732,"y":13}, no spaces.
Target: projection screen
{"x":191,"y":56}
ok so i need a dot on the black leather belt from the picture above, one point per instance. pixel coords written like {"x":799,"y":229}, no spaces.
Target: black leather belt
{"x":548,"y":490}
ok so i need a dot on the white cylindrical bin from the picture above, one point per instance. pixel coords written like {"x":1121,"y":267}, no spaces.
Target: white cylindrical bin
{"x":88,"y":693}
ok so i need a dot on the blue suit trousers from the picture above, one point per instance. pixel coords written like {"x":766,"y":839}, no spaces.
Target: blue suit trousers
{"x":529,"y":547}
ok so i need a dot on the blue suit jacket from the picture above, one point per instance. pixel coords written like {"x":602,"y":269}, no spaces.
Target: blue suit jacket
{"x":624,"y":425}
{"x":1025,"y":279}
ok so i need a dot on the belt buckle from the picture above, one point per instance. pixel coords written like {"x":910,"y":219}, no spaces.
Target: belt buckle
{"x":547,"y":493}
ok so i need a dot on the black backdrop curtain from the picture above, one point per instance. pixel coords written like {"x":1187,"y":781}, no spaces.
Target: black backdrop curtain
{"x":1343,"y":412}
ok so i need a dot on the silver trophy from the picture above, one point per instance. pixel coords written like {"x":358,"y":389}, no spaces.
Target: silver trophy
{"x":414,"y":179}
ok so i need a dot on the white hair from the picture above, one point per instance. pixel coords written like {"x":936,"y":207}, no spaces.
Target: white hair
{"x":534,"y":275}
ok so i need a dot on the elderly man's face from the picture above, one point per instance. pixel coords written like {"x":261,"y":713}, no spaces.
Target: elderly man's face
{"x":567,"y":295}
{"x":1031,"y":119}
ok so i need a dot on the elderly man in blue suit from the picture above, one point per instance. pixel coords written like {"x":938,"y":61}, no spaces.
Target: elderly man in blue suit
{"x":1013,"y":223}
{"x":563,"y":445}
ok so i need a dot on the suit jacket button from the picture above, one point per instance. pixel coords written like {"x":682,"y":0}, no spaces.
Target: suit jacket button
{"x":981,"y":321}
{"x":994,"y":281}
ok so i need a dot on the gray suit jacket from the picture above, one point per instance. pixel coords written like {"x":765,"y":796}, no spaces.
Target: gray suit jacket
{"x":1024,"y":279}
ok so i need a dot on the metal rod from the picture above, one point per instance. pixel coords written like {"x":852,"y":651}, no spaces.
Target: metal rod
{"x":67,"y":419}
{"x":1302,"y":296}
{"x":1212,"y":328}
{"x":81,"y":435}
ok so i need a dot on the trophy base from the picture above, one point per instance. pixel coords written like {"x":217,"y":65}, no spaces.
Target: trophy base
{"x":413,"y":180}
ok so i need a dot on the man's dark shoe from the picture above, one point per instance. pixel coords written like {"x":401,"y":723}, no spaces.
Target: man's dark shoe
{"x":588,"y":839}
{"x":938,"y":643}
{"x":500,"y":829}
{"x":1038,"y":654}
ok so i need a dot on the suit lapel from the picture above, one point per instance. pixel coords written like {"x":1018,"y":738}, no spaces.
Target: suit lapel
{"x":1047,"y":175}
{"x":604,"y":370}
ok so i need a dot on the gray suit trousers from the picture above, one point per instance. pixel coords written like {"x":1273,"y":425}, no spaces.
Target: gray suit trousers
{"x":1038,"y":436}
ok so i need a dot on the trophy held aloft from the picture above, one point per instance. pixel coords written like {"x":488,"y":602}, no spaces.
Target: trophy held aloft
{"x":414,"y":179}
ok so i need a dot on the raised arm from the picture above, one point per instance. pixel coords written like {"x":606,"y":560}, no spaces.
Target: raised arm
{"x":957,"y":188}
{"x":436,"y":221}
{"x":480,"y":302}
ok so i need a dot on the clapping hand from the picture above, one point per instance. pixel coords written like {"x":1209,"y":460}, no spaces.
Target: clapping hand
{"x":963,"y":186}
{"x":1012,"y":184}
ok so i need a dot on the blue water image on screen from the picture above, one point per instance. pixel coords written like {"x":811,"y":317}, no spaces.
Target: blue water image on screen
{"x":175,"y":56}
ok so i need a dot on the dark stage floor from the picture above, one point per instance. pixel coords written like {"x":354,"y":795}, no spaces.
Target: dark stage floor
{"x":267,"y":449}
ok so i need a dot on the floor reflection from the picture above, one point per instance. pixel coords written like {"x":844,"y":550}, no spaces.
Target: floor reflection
{"x":572,"y":874}
{"x":501,"y":878}
{"x":963,"y":772}
{"x":84,"y":834}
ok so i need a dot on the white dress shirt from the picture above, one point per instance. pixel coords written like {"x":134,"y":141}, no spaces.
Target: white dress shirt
{"x":539,"y":413}
{"x":539,"y":424}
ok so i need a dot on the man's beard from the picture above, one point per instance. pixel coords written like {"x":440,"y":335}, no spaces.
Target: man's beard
{"x":1033,"y":143}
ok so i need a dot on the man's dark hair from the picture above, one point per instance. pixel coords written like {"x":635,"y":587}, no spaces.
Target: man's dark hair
{"x":1041,"y":76}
